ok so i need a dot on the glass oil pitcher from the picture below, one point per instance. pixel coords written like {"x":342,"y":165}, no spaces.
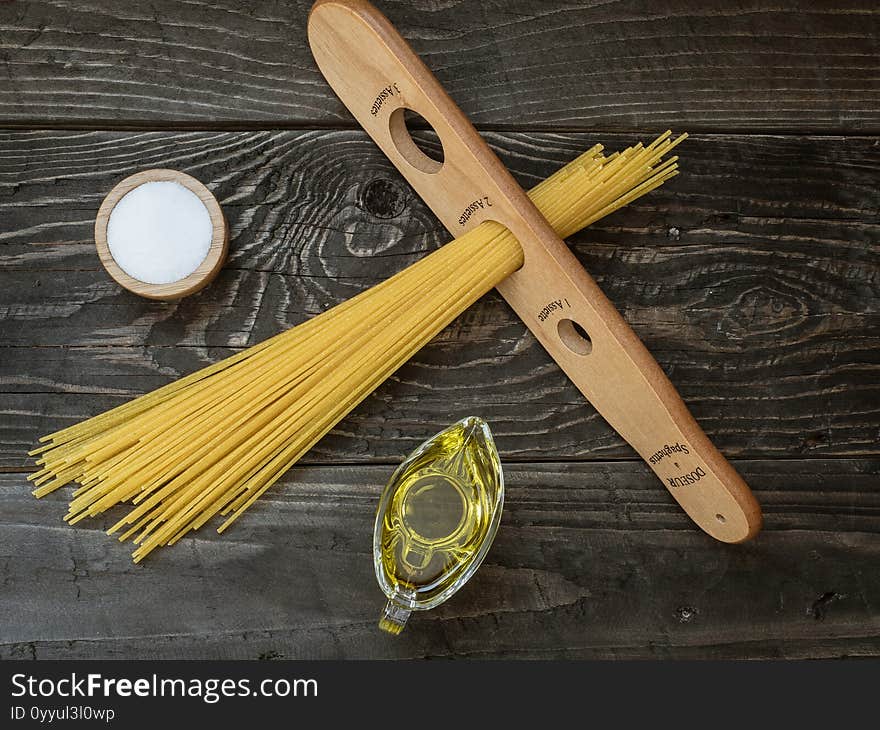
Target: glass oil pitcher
{"x":436,"y":520}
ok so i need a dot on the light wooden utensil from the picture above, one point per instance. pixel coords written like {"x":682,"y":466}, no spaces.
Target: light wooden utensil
{"x":377,"y":76}
{"x":206,"y":271}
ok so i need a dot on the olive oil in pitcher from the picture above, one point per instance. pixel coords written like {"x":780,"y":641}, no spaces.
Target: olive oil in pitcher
{"x":436,"y":520}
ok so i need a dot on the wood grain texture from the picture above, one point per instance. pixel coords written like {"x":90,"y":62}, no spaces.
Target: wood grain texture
{"x":743,"y":65}
{"x":754,"y":278}
{"x":591,"y":561}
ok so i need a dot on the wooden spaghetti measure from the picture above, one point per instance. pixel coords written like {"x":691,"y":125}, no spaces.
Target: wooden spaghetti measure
{"x":377,"y":76}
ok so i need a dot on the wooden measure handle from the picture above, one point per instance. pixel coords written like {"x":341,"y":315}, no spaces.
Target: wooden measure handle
{"x":377,"y":76}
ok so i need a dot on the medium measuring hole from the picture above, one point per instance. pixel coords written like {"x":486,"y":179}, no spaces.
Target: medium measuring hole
{"x":426,"y":137}
{"x":421,"y":151}
{"x":574,"y":337}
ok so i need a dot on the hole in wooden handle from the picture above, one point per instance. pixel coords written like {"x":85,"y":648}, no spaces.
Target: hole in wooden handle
{"x":574,"y":337}
{"x":419,"y":155}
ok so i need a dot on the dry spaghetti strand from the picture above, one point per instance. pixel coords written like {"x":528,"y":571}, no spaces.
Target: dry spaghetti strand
{"x":211,"y":443}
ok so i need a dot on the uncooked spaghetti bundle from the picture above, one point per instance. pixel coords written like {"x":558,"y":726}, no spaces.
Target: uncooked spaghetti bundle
{"x":212,"y":442}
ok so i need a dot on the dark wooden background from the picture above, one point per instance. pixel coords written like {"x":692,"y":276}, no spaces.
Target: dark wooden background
{"x":754,"y":278}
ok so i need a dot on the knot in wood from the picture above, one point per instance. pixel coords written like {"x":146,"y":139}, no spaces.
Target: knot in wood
{"x":383,"y":198}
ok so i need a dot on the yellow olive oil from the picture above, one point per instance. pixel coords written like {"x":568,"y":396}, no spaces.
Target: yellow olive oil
{"x":436,"y":519}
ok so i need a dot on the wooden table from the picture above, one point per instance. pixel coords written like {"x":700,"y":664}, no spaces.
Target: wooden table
{"x":754,"y":278}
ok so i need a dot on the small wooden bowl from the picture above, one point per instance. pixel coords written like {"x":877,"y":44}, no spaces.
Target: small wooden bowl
{"x":206,"y":271}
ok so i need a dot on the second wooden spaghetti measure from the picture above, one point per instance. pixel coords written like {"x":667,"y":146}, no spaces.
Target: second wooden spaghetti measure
{"x":378,"y":77}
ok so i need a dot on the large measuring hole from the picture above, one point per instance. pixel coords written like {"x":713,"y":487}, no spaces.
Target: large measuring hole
{"x":574,"y":337}
{"x":424,"y":151}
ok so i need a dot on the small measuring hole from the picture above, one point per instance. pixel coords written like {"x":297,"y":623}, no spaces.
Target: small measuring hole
{"x":721,"y":518}
{"x":424,"y":151}
{"x":574,"y":337}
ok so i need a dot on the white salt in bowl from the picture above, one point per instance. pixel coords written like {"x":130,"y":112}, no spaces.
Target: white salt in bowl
{"x":161,"y":234}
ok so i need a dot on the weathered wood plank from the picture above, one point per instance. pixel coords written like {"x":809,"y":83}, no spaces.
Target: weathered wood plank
{"x":743,"y":65}
{"x":591,"y":561}
{"x":754,"y":277}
